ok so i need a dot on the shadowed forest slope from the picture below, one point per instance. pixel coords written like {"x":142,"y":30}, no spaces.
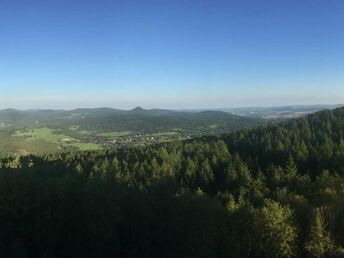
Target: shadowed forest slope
{"x":273,"y":191}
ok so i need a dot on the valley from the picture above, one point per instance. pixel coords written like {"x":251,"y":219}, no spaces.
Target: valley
{"x":94,"y":129}
{"x":36,"y":131}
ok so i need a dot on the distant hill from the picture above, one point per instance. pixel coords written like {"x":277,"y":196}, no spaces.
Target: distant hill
{"x":85,"y":128}
{"x":137,"y":119}
{"x":95,"y":128}
{"x":275,"y":113}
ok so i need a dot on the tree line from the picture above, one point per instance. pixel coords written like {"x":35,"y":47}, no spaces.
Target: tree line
{"x":273,"y":191}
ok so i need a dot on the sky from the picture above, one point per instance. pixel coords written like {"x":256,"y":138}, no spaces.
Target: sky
{"x":170,"y":54}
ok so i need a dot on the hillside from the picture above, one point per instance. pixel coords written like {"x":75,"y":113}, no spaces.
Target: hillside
{"x":87,"y":129}
{"x":272,"y":191}
{"x":279,"y":112}
{"x":316,"y":142}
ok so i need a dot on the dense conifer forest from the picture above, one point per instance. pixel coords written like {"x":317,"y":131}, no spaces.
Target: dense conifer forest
{"x":273,"y":191}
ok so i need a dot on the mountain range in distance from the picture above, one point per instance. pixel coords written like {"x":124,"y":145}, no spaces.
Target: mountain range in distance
{"x":33,"y":131}
{"x":48,"y":130}
{"x":287,"y":111}
{"x":274,"y":112}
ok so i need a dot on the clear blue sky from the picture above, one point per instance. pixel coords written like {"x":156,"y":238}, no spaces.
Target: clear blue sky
{"x":171,"y":54}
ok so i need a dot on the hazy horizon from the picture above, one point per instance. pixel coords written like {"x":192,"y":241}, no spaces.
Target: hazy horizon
{"x":178,"y":108}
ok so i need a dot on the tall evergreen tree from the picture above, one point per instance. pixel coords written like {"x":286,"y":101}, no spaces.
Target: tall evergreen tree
{"x":319,"y":243}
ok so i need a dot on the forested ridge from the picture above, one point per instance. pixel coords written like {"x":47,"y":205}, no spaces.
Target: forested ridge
{"x":138,"y":119}
{"x":272,"y":191}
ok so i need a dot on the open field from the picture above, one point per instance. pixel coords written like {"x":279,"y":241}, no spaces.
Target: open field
{"x":21,"y":145}
{"x":39,"y":139}
{"x":45,"y":134}
{"x":117,"y":134}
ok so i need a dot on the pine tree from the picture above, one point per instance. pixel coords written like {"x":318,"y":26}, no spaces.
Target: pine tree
{"x":275,"y":230}
{"x":319,"y":243}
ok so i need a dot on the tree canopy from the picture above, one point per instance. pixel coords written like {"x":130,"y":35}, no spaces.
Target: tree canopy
{"x":273,"y":191}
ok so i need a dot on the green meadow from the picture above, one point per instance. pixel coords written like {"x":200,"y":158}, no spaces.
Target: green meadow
{"x":116,"y":134}
{"x":39,"y":139}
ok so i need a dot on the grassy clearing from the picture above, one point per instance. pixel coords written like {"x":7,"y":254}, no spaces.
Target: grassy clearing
{"x":164,"y":134}
{"x":48,"y":136}
{"x":21,"y":145}
{"x":116,"y":134}
{"x":76,"y":129}
{"x":45,"y":134}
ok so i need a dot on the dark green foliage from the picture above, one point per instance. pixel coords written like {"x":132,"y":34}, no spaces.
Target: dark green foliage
{"x":319,"y":242}
{"x":274,"y":191}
